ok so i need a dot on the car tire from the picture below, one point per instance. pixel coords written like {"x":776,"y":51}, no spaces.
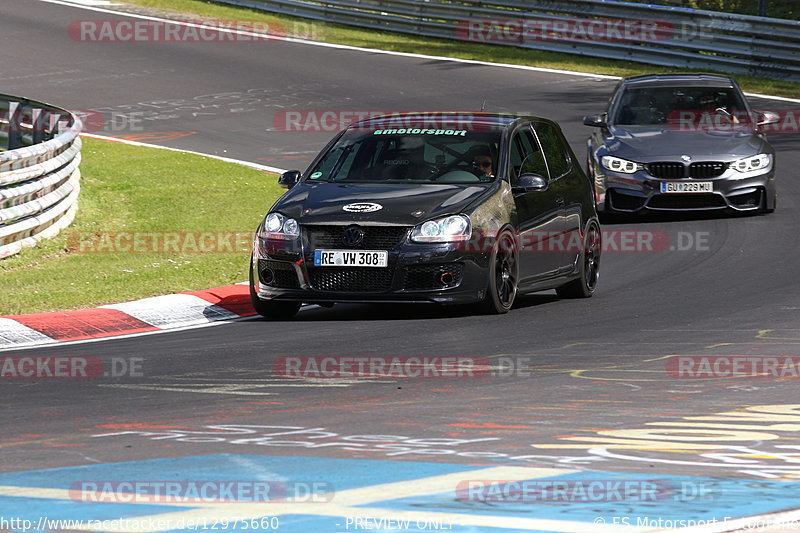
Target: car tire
{"x":588,"y":264}
{"x":503,"y":276}
{"x":272,"y":310}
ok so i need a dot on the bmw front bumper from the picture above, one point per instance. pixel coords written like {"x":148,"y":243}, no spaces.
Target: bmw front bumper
{"x":640,"y":191}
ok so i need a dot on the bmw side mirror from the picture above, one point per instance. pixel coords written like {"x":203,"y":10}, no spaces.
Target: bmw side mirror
{"x":768,"y":117}
{"x":596,"y":121}
{"x":289,"y":179}
{"x":530,"y":182}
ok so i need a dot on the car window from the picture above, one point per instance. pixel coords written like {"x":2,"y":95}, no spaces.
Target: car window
{"x":409,"y":155}
{"x":526,"y":156}
{"x":555,"y":149}
{"x":647,"y":106}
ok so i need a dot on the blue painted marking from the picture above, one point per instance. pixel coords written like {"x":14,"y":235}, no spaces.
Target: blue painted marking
{"x":666,"y":497}
{"x":697,"y":498}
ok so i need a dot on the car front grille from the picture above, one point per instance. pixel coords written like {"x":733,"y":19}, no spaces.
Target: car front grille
{"x":667,"y":170}
{"x":283,"y":274}
{"x":428,"y":277}
{"x":375,"y":237}
{"x":337,"y":279}
{"x":700,"y":170}
{"x":705,"y":170}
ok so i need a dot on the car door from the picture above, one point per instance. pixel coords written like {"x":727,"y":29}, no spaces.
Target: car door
{"x":539,"y":213}
{"x":568,"y":188}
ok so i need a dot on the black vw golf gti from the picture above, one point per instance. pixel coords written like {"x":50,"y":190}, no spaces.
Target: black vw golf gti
{"x":441,"y":208}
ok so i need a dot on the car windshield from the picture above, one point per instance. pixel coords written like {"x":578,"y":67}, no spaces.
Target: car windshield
{"x":682,"y":107}
{"x":411,"y":155}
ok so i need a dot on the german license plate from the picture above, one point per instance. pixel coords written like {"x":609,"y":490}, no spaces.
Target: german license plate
{"x":351,"y":258}
{"x":687,"y":186}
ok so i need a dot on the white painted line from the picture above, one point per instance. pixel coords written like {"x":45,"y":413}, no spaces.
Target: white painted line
{"x":173,"y":311}
{"x":14,"y":335}
{"x":93,"y":2}
{"x":50,"y":342}
{"x":209,"y":389}
{"x":377,"y":51}
{"x":256,"y":166}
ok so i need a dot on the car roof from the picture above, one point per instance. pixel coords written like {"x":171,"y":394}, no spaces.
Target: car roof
{"x":679,"y":80}
{"x":477,"y":118}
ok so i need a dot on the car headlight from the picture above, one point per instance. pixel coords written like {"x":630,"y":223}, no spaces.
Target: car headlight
{"x":756,"y":162}
{"x":449,"y":229}
{"x":616,"y":164}
{"x":277,"y":226}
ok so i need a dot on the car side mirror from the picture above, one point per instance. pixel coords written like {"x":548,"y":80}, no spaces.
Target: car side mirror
{"x":596,"y":121}
{"x":530,"y":182}
{"x":289,"y":179}
{"x":768,"y":117}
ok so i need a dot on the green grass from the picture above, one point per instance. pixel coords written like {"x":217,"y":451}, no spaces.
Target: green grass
{"x":336,"y":33}
{"x":136,"y":189}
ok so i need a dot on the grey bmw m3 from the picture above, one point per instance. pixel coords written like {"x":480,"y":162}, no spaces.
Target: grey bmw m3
{"x":675,"y":142}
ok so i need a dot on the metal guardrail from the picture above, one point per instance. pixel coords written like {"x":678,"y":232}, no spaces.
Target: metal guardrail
{"x":686,"y":38}
{"x":39,"y":175}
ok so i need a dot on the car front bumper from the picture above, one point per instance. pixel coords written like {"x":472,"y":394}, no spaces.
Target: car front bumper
{"x":432,"y":273}
{"x":630,"y":193}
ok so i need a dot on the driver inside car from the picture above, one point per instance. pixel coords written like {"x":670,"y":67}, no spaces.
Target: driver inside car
{"x":483,"y":161}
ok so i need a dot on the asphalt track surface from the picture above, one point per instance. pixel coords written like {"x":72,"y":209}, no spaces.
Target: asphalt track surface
{"x":583,"y":367}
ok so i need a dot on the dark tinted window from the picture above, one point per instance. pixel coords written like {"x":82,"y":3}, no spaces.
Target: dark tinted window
{"x":644,"y":106}
{"x":408,"y":155}
{"x":555,"y":149}
{"x":526,"y":157}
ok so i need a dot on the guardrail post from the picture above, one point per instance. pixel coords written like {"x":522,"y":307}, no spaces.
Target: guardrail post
{"x":14,"y":126}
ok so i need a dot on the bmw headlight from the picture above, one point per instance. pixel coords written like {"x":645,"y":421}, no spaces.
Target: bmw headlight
{"x":449,"y":229}
{"x":277,"y":226}
{"x":756,"y":162}
{"x":617,"y":164}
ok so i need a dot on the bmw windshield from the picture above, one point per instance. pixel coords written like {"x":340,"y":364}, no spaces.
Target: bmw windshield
{"x":410,"y":156}
{"x":710,"y":107}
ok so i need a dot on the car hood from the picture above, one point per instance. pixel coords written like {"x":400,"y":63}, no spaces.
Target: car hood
{"x":646,"y":144}
{"x":323,"y":202}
